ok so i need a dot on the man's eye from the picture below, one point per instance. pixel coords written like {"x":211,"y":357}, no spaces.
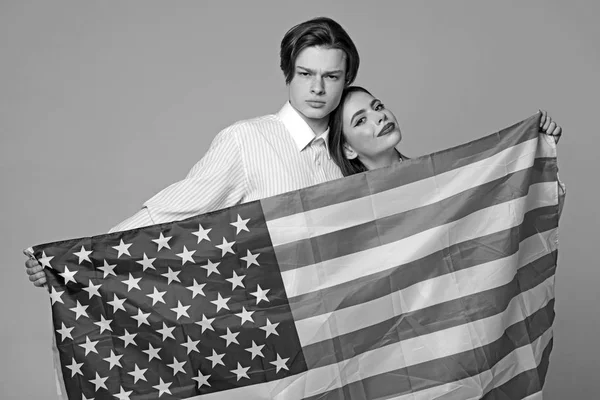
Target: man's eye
{"x":333,"y":77}
{"x":303,"y":73}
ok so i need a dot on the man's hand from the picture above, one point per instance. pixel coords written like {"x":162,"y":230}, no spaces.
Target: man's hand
{"x":36,"y":272}
{"x":550,"y":127}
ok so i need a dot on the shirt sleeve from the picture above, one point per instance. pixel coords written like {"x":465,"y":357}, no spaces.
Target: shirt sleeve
{"x":217,"y":181}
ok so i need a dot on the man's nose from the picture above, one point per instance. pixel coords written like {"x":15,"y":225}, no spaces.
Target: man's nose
{"x":317,"y":86}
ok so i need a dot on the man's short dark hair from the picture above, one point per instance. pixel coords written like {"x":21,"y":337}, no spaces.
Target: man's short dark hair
{"x":323,"y":32}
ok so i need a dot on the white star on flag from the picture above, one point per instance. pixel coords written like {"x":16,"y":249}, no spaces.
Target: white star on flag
{"x":186,"y":255}
{"x":45,"y":260}
{"x":108,"y":269}
{"x":177,"y":366}
{"x":206,"y":323}
{"x":92,"y":289}
{"x":83,"y":255}
{"x":221,"y":302}
{"x":201,"y":379}
{"x":270,"y":328}
{"x":196,"y":288}
{"x":68,"y":275}
{"x":202,"y":233}
{"x":180,"y":310}
{"x":89,"y":346}
{"x":280,"y":363}
{"x":260,"y":294}
{"x":171,"y":276}
{"x":104,"y":324}
{"x":211,"y":267}
{"x":128,"y":338}
{"x":191,"y":345}
{"x":75,"y":368}
{"x":230,"y":337}
{"x":141,"y":317}
{"x":117,"y":303}
{"x":122,"y":248}
{"x":99,"y":382}
{"x":250,"y":258}
{"x":152,"y":352}
{"x":236,"y":280}
{"x":55,"y":295}
{"x":162,"y":242}
{"x":240,"y":225}
{"x":216,"y":359}
{"x":245,"y":316}
{"x":226,"y":247}
{"x":113,"y":360}
{"x":123,"y":395}
{"x":256,"y":350}
{"x":166,"y":332}
{"x":146,"y":262}
{"x":163,"y":387}
{"x":79,"y":310}
{"x":65,"y":332}
{"x":241,"y":372}
{"x":157,"y":296}
{"x":132,"y":283}
{"x":138,"y":373}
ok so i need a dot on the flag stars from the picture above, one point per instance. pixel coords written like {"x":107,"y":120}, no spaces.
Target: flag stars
{"x":202,"y":234}
{"x":83,"y":255}
{"x":138,"y":373}
{"x":45,"y":260}
{"x":211,"y":267}
{"x":157,"y":296}
{"x":216,"y":359}
{"x":113,"y":360}
{"x":99,"y":382}
{"x":162,"y":242}
{"x":206,"y":323}
{"x":79,"y":310}
{"x":166,"y":332}
{"x":123,"y":395}
{"x":186,"y":255}
{"x":117,"y":303}
{"x":152,"y":352}
{"x":128,"y":338}
{"x":177,"y":366}
{"x":280,"y":363}
{"x":132,"y":283}
{"x":92,"y":289}
{"x":240,"y":225}
{"x":191,"y":345}
{"x":162,"y":387}
{"x":65,"y":332}
{"x":171,"y":276}
{"x":68,"y":275}
{"x":75,"y":368}
{"x":241,"y":372}
{"x":236,"y":280}
{"x":196,"y":288}
{"x":108,"y":269}
{"x":270,"y":328}
{"x":104,"y":324}
{"x":55,"y":296}
{"x":255,"y":350}
{"x":260,"y":294}
{"x":146,"y":262}
{"x":180,"y":310}
{"x":201,"y":379}
{"x":141,"y":318}
{"x":250,"y":258}
{"x":246,"y":316}
{"x":89,"y":346}
{"x":221,"y":302}
{"x":226,"y":247}
{"x":122,"y":248}
{"x":230,"y":337}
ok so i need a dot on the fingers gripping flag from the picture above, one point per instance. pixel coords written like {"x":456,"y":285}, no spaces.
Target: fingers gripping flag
{"x":430,"y":279}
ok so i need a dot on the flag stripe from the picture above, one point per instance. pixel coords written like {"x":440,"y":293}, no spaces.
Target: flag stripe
{"x":347,"y":268}
{"x":465,"y":374}
{"x":328,"y":219}
{"x":470,"y":253}
{"x":335,"y":339}
{"x":412,"y":171}
{"x":377,"y":230}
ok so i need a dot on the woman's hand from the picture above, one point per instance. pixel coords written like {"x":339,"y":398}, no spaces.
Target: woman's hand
{"x":550,"y":127}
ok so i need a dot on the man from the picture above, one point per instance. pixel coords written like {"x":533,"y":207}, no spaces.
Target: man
{"x":268,"y":155}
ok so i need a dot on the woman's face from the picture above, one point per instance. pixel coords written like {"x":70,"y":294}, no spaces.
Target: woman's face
{"x":370,"y":129}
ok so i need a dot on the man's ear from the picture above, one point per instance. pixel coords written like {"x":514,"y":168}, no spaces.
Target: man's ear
{"x":349,"y":152}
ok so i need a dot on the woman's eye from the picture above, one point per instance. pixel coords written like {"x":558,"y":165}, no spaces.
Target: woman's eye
{"x":360,"y":121}
{"x":379,"y":107}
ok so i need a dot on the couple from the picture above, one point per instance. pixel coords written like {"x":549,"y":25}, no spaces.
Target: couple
{"x":327,"y":130}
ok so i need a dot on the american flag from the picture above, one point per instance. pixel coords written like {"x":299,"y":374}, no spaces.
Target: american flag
{"x":430,"y":279}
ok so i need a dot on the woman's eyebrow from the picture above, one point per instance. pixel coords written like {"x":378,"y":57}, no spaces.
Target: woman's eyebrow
{"x":362,"y":110}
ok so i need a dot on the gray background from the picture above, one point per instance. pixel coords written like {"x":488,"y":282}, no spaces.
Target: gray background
{"x":102,"y":104}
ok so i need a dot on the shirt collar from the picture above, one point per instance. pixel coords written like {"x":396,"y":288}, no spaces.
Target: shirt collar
{"x":302,"y":134}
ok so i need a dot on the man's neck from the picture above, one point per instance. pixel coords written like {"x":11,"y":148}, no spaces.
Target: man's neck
{"x":318,"y":126}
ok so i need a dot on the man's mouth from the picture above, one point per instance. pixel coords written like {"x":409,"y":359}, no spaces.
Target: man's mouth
{"x":315,"y":103}
{"x":387,"y":128}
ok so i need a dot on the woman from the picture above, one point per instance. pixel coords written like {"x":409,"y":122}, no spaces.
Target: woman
{"x":364,"y":134}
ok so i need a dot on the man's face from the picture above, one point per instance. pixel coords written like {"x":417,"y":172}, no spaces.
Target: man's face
{"x":317,"y":85}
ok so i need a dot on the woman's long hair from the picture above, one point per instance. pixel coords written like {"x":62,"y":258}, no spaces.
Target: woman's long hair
{"x":336,"y":140}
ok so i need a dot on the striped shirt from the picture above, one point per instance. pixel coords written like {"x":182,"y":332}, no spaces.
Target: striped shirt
{"x":247,"y":161}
